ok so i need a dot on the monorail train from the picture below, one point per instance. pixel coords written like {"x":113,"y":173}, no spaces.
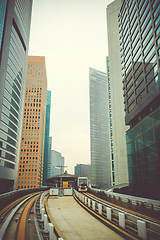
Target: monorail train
{"x":82,"y":184}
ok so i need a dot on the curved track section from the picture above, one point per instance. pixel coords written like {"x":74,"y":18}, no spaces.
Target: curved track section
{"x":148,"y":206}
{"x":110,"y":214}
{"x":14,"y":226}
{"x":139,"y":215}
{"x":21,"y":235}
{"x":7,"y":209}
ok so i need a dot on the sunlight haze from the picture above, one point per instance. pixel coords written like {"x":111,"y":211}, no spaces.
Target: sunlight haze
{"x":72,"y":35}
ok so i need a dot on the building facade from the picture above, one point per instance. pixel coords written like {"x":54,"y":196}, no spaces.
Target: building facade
{"x":50,"y":156}
{"x":46,"y":143}
{"x":15,"y":18}
{"x":110,"y":125}
{"x":82,"y":170}
{"x":30,"y":171}
{"x":116,"y":101}
{"x":139,"y":28}
{"x":57,"y":160}
{"x":99,"y":130}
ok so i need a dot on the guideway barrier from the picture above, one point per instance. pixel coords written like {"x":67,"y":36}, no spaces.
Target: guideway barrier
{"x":127,"y":221}
{"x":44,"y":228}
{"x":11,"y":215}
{"x":142,"y":205}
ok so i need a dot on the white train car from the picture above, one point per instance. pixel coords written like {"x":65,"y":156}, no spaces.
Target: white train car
{"x":82,"y":184}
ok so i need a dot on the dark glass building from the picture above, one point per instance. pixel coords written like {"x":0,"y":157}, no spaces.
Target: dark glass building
{"x":82,"y":170}
{"x":15,"y":18}
{"x":139,"y":28}
{"x":46,"y":143}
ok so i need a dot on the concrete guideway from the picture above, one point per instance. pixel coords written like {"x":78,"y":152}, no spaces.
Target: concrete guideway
{"x":76,"y":223}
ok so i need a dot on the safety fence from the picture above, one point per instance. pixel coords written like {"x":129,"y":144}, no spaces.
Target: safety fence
{"x":138,"y":226}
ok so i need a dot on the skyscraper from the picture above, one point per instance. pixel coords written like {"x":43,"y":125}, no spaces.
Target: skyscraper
{"x":46,"y":143}
{"x":15,"y":18}
{"x":139,"y":27}
{"x":56,"y":160}
{"x":99,"y":130}
{"x":119,"y":154}
{"x":82,"y":170}
{"x":30,"y":172}
{"x":110,"y":125}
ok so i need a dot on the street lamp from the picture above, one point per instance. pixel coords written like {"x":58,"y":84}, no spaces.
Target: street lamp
{"x":60,"y":193}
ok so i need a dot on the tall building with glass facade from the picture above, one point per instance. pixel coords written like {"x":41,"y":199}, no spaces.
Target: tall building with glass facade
{"x":57,"y":160}
{"x":15,"y":18}
{"x":139,"y":29}
{"x":46,"y":143}
{"x":30,"y":171}
{"x":119,"y":166}
{"x":82,"y":170}
{"x":99,"y":130}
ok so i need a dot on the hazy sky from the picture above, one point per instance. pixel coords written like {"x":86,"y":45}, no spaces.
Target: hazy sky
{"x":72,"y":35}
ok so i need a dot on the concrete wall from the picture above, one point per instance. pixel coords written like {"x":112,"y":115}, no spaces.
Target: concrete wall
{"x":118,"y":115}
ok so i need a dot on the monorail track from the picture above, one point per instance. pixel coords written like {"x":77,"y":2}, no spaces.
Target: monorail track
{"x":146,"y":217}
{"x":16,"y":217}
{"x":130,"y":231}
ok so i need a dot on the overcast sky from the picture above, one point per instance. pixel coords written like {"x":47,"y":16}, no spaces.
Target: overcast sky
{"x":72,"y":35}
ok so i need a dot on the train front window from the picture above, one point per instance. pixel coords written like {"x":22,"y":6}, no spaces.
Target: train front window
{"x":82,"y":182}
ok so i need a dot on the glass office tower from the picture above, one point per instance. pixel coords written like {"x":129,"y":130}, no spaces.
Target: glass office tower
{"x":46,"y":143}
{"x":82,"y":170}
{"x":56,"y":160}
{"x":99,"y":130}
{"x":15,"y":18}
{"x":139,"y":28}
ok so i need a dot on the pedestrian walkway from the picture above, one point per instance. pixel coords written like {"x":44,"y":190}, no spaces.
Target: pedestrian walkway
{"x":76,"y":223}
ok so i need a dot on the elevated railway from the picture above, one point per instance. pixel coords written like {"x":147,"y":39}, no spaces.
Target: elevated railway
{"x":15,"y":218}
{"x":27,"y":214}
{"x":144,"y":205}
{"x":119,"y":218}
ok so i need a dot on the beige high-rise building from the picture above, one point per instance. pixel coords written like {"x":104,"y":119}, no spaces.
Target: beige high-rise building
{"x":118,"y":135}
{"x":30,"y":170}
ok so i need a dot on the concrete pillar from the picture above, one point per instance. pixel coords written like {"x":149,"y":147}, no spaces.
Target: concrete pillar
{"x":109,"y":216}
{"x":93,"y":205}
{"x":50,"y":191}
{"x":122,"y":219}
{"x":51,"y":231}
{"x":45,"y":222}
{"x":100,"y":208}
{"x":142,"y":231}
{"x":89,"y":202}
{"x":42,"y":214}
{"x":85,"y":200}
{"x":41,"y":208}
